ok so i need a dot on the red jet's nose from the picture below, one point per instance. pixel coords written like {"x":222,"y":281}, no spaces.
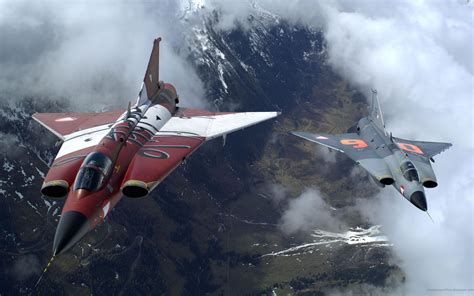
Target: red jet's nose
{"x":71,"y":228}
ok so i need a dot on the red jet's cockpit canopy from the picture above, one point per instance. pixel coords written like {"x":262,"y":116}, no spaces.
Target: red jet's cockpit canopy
{"x":94,"y":169}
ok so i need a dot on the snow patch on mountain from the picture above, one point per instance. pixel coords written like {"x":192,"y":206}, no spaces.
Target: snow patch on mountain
{"x":42,"y":175}
{"x":7,"y":166}
{"x":358,"y":235}
{"x":20,"y":196}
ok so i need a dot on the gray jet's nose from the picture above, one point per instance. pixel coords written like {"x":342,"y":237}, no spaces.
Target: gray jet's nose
{"x":71,"y":228}
{"x":419,"y":200}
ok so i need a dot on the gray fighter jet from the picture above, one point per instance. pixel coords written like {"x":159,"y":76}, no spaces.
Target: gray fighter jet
{"x":405,"y":164}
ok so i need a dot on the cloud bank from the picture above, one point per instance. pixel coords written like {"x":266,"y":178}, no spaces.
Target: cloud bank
{"x":420,"y":58}
{"x":94,"y":55}
{"x":26,"y":266}
{"x":307,"y":212}
{"x":9,"y":145}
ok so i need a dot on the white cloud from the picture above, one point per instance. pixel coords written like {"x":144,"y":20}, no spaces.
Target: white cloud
{"x":415,"y":58}
{"x":93,"y":54}
{"x":307,"y":212}
{"x":326,"y":154}
{"x":26,"y":266}
{"x":278,"y":193}
{"x":9,"y":145}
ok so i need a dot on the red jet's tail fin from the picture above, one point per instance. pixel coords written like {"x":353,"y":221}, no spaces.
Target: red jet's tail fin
{"x":151,"y":81}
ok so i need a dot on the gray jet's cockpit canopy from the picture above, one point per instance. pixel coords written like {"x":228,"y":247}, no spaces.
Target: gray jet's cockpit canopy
{"x":409,"y":171}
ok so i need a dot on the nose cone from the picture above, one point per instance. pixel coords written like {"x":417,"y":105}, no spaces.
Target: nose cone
{"x":71,"y":228}
{"x":419,"y":200}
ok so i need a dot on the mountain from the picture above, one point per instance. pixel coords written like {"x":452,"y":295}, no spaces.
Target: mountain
{"x":214,"y":226}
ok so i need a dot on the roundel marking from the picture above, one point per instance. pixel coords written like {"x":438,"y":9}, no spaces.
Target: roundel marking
{"x":410,"y":148}
{"x":65,"y":119}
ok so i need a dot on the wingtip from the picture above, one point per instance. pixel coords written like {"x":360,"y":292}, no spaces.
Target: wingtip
{"x":272,"y":114}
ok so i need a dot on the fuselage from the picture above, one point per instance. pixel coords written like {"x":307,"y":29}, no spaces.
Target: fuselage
{"x":401,"y":172}
{"x":99,"y":183}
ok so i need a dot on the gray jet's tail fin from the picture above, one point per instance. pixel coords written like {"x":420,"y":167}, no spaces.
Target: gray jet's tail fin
{"x":376,"y":112}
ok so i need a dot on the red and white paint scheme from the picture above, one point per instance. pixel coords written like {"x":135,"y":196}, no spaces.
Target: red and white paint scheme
{"x":105,"y":156}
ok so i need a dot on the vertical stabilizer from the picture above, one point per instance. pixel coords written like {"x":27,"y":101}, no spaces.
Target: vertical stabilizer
{"x":376,"y":112}
{"x":151,"y":82}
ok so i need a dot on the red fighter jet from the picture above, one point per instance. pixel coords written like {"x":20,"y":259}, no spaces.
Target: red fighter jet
{"x":105,"y":156}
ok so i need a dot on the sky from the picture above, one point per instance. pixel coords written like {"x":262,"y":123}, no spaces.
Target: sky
{"x":417,"y":54}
